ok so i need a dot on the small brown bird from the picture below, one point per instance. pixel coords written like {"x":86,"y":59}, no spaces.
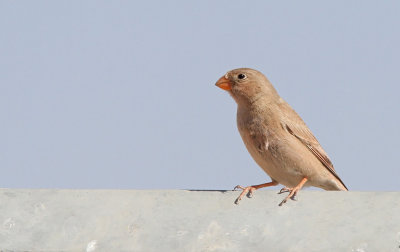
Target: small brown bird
{"x":276,"y":137}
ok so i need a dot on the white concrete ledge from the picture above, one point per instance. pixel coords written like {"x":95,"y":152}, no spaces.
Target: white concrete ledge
{"x":181,"y":220}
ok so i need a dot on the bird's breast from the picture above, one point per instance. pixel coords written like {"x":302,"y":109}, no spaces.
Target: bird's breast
{"x":258,"y":139}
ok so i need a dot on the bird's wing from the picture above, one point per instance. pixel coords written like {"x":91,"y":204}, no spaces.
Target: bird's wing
{"x":296,"y":127}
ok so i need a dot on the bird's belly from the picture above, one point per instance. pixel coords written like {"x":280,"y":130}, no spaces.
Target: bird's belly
{"x":270,"y":155}
{"x":267,"y":155}
{"x":289,"y":167}
{"x":276,"y":169}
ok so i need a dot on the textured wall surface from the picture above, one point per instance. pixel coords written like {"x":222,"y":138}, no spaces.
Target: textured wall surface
{"x":180,"y":220}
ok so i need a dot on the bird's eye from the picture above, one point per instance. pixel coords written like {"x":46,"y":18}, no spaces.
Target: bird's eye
{"x":241,"y":76}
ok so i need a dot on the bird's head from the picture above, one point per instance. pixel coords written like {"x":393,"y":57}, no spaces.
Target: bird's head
{"x":247,"y":85}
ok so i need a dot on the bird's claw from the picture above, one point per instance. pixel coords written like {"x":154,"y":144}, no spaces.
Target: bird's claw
{"x":284,"y":190}
{"x":282,"y":202}
{"x":237,"y":201}
{"x":238,"y":187}
{"x":292,"y":194}
{"x":248,"y":191}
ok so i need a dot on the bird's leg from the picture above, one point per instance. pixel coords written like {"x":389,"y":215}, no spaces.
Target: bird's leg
{"x":250,"y":189}
{"x":293,"y":191}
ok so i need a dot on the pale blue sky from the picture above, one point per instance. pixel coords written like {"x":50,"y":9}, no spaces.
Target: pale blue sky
{"x":120,"y":94}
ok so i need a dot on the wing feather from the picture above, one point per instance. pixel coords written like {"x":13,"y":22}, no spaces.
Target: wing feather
{"x":304,"y":135}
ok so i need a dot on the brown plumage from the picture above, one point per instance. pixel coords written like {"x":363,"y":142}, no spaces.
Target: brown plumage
{"x":276,"y":137}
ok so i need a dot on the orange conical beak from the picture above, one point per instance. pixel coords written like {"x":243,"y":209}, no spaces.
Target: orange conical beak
{"x":224,"y":83}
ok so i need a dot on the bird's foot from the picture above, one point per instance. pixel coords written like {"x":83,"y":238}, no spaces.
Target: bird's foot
{"x":248,"y":191}
{"x":292,"y":194}
{"x":292,"y":191}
